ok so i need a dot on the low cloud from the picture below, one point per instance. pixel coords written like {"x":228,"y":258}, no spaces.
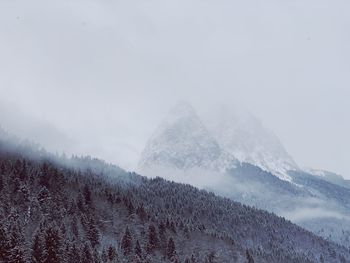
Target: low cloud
{"x":308,"y":213}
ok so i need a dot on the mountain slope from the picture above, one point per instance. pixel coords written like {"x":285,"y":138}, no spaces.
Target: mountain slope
{"x":315,"y":204}
{"x":243,"y":136}
{"x":267,"y":177}
{"x":70,"y":211}
{"x":182,"y":142}
{"x":224,"y":139}
{"x":330,"y":177}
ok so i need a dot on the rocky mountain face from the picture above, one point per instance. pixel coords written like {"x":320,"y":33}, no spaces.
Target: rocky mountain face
{"x":244,"y":136}
{"x":248,"y":164}
{"x":182,"y":142}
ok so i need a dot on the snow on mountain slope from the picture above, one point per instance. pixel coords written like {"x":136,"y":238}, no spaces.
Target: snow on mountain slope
{"x":182,"y":142}
{"x":243,"y":136}
{"x":187,"y":150}
{"x":329,"y":177}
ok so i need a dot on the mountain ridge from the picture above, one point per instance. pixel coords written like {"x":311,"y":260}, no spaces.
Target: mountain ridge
{"x":183,"y":142}
{"x":93,"y":213}
{"x":290,"y":191}
{"x":182,"y":131}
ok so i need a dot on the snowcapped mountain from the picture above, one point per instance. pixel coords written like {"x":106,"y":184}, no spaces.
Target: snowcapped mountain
{"x":182,"y":142}
{"x":244,"y":136}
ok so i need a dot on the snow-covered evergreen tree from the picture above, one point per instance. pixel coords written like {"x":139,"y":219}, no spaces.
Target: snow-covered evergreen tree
{"x":126,"y":243}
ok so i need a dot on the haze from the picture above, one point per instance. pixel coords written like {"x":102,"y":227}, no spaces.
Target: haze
{"x":101,"y":74}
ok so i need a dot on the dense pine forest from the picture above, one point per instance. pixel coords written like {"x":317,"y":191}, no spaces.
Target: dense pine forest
{"x":58,"y":209}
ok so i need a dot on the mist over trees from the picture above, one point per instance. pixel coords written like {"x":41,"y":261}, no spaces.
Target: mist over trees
{"x":84,"y":210}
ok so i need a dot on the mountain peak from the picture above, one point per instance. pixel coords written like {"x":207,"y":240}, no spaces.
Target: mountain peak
{"x":245,"y":137}
{"x":182,"y":108}
{"x":182,"y":142}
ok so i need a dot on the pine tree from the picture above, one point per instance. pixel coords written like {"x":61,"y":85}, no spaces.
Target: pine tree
{"x":44,"y":199}
{"x":38,"y":248}
{"x":131,"y":208}
{"x":17,"y":254}
{"x":187,"y":232}
{"x":93,"y":233}
{"x":141,"y":213}
{"x":80,"y":203}
{"x":19,"y":169}
{"x":112,"y":253}
{"x":4,"y":245}
{"x":45,"y":176}
{"x":15,"y":184}
{"x":171,"y":251}
{"x":153,"y":241}
{"x":87,"y":256}
{"x":74,"y":227}
{"x":1,"y":183}
{"x":104,"y":256}
{"x":172,"y":227}
{"x":96,"y":256}
{"x":163,"y":238}
{"x":87,"y":195}
{"x":74,"y":253}
{"x":210,"y":258}
{"x":23,"y":171}
{"x":249,"y":257}
{"x":126,"y":244}
{"x":138,"y":250}
{"x":52,"y":245}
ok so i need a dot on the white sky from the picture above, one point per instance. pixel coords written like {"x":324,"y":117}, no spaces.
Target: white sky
{"x":106,"y":71}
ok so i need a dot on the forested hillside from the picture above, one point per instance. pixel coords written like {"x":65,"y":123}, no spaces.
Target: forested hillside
{"x":83,"y":210}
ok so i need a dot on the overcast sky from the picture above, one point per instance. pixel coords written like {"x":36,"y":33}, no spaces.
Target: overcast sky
{"x":104,"y":72}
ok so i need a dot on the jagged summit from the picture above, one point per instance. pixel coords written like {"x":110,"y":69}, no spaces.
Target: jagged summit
{"x":244,"y":136}
{"x":183,"y":142}
{"x":182,"y":109}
